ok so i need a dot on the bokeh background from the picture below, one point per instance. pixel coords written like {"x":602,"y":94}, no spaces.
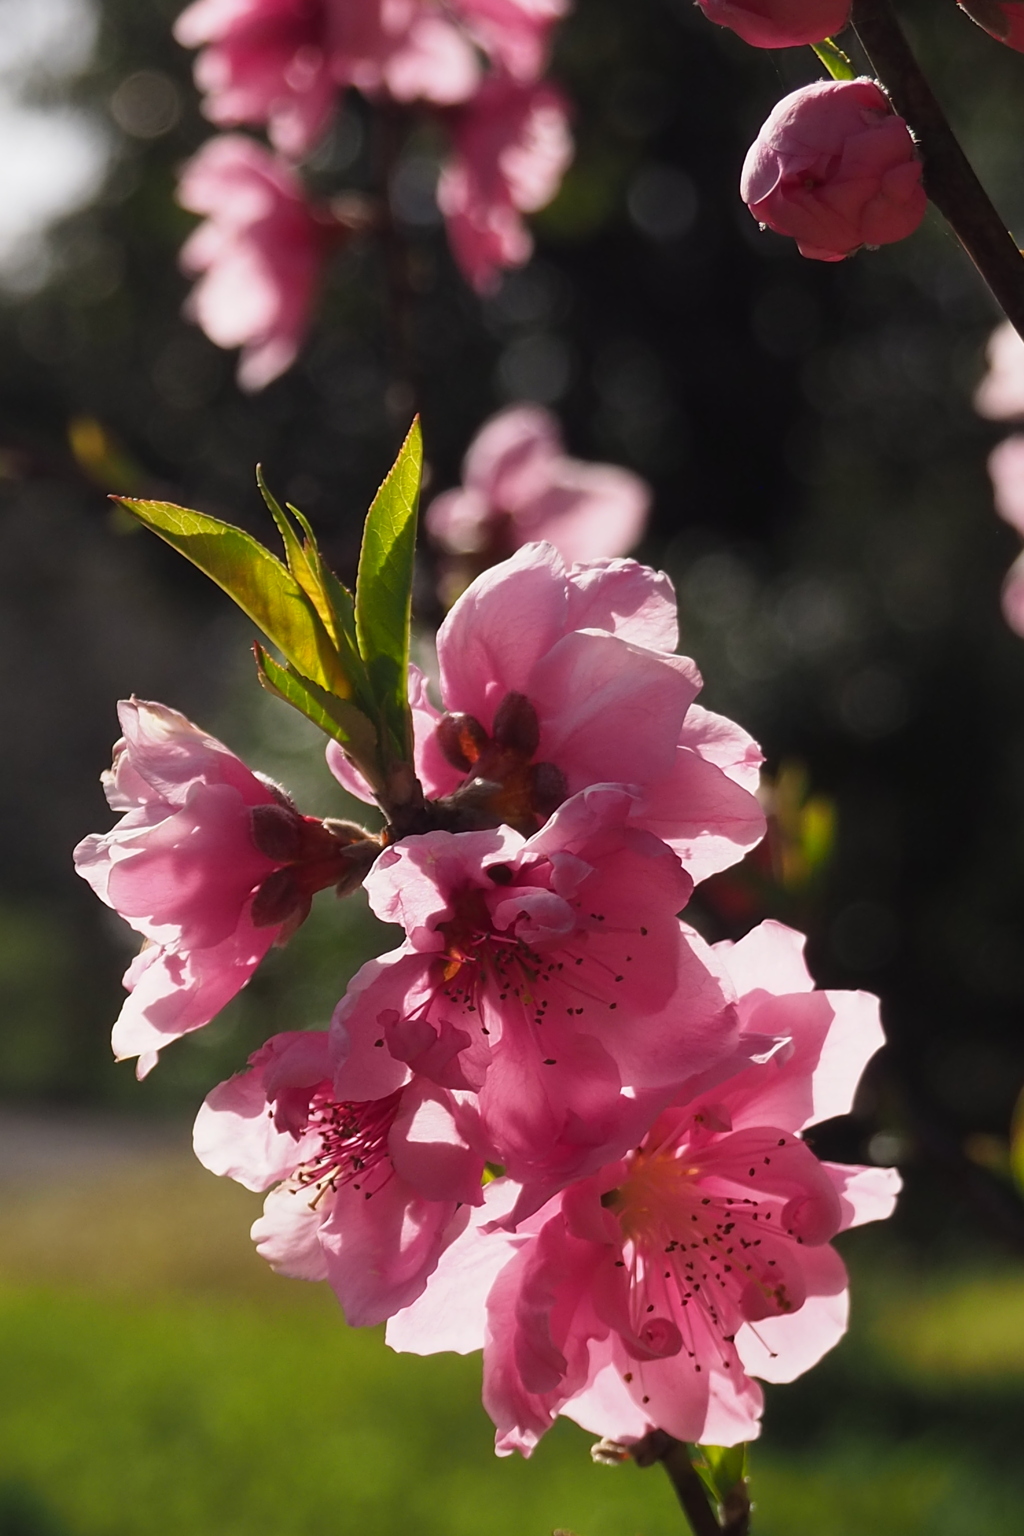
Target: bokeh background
{"x":822,"y":503}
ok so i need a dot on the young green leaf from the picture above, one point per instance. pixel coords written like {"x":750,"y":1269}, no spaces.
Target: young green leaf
{"x":261,"y":586}
{"x":336,"y":717}
{"x":722,"y":1469}
{"x":383,"y":604}
{"x":839,"y":66}
{"x":332,"y":601}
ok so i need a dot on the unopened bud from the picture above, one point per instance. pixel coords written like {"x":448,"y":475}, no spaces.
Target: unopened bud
{"x":277,"y":832}
{"x":835,"y":168}
{"x":779,"y":23}
{"x":516,"y":727}
{"x":277,"y":898}
{"x":462,"y":739}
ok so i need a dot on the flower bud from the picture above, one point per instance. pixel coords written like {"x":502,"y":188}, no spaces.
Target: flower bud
{"x":1001,"y":19}
{"x":779,"y":23}
{"x":835,"y":168}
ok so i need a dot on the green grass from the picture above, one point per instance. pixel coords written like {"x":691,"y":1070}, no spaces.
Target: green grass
{"x":155,"y":1378}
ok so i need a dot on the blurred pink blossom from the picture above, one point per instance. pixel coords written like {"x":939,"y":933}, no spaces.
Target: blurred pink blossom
{"x":408,"y":49}
{"x":368,"y":1194}
{"x":282,"y":62}
{"x":257,"y":255}
{"x":264,"y":61}
{"x":519,"y":484}
{"x":511,"y":147}
{"x":835,"y":168}
{"x":779,"y":23}
{"x":1000,"y":395}
{"x":515,"y":34}
{"x":1013,"y":596}
{"x":1006,"y":468}
{"x":652,"y":1292}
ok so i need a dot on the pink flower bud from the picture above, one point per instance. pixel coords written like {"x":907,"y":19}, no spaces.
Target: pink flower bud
{"x":779,"y":23}
{"x":1001,"y":20}
{"x":835,"y":168}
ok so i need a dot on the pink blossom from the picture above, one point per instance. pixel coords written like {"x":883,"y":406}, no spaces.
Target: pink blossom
{"x":1000,"y":395}
{"x":1001,"y":19}
{"x":408,"y":49}
{"x":835,"y":168}
{"x":282,"y":62}
{"x":515,"y":34}
{"x":208,"y":862}
{"x":544,"y":974}
{"x":368,"y":1194}
{"x":257,"y":255}
{"x":1013,"y":596}
{"x":512,"y":146}
{"x":264,"y":61}
{"x":519,"y":484}
{"x":1006,"y":469}
{"x":650,"y":1294}
{"x":557,"y":678}
{"x":779,"y":23}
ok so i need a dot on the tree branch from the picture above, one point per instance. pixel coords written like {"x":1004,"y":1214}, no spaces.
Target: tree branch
{"x":672,"y":1453}
{"x":949,"y":177}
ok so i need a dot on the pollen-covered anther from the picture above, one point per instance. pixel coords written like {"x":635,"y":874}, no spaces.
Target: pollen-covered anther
{"x":353,"y":1142}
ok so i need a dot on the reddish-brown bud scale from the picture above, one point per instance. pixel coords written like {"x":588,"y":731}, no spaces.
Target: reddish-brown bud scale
{"x":516,"y":727}
{"x":462,"y":739}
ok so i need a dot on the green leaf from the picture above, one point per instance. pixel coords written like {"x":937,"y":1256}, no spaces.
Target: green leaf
{"x":332,"y":601}
{"x":1017,"y":1142}
{"x":261,"y":586}
{"x":337,"y":717}
{"x":721,"y":1468}
{"x":839,"y":66}
{"x":383,"y":605}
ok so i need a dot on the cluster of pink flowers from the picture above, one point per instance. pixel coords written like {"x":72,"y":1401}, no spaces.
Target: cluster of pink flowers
{"x":475,"y":66}
{"x":1000,"y":397}
{"x":552,"y":1123}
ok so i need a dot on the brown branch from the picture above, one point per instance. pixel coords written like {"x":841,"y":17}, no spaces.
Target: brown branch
{"x":949,"y":177}
{"x":672,"y":1453}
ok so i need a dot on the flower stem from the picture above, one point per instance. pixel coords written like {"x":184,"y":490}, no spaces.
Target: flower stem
{"x":949,"y":178}
{"x":674,"y":1457}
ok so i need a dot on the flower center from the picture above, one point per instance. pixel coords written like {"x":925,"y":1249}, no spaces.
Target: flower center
{"x":353,"y":1144}
{"x":504,"y":783}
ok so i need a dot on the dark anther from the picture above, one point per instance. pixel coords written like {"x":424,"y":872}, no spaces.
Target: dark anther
{"x":516,"y":727}
{"x":462,"y":739}
{"x":500,"y":874}
{"x":548,"y":788}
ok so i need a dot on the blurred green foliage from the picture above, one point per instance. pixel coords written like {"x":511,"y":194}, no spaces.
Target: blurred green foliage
{"x":158,"y":1378}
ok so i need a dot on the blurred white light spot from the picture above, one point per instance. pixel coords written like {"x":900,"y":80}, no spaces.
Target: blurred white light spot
{"x":53,"y":163}
{"x":146,"y":104}
{"x":535,"y":367}
{"x":54,"y":157}
{"x":46,"y":37}
{"x":662,"y":202}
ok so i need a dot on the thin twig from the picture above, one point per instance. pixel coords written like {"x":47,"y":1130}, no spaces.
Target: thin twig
{"x":949,"y":177}
{"x":672,"y":1453}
